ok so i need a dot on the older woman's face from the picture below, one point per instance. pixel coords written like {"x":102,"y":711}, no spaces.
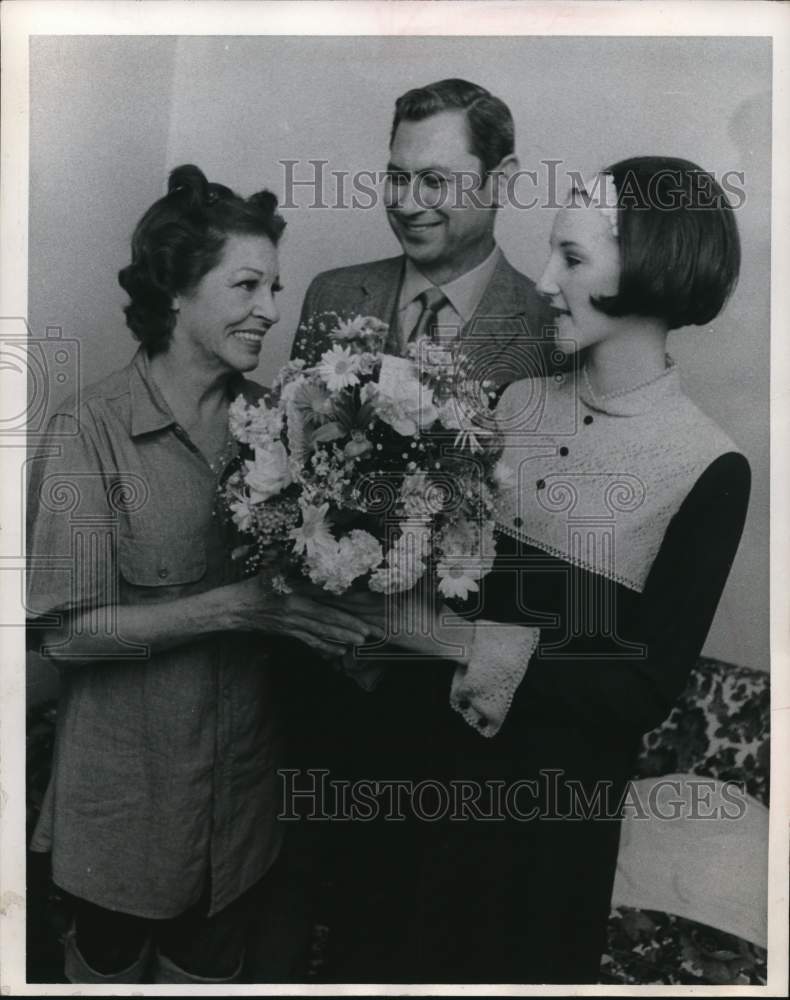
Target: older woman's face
{"x":584,"y":261}
{"x":224,"y":319}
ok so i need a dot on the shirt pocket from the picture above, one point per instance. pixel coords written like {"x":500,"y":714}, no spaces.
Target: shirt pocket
{"x":152,"y":566}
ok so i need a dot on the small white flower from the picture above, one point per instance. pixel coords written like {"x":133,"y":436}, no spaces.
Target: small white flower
{"x":457,"y":577}
{"x":361,"y":328}
{"x":414,"y":493}
{"x":243,"y":517}
{"x":338,"y":368}
{"x":405,"y":562}
{"x":238,"y":418}
{"x":366,"y":363}
{"x":289,"y":371}
{"x":313,"y":533}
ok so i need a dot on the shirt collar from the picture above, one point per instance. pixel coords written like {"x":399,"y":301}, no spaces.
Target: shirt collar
{"x":150,"y":412}
{"x":633,"y":402}
{"x":464,"y":292}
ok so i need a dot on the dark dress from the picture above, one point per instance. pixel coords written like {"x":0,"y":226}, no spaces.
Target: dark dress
{"x":502,"y":868}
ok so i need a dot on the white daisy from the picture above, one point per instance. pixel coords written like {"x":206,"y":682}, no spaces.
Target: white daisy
{"x":456,"y":577}
{"x":338,"y":368}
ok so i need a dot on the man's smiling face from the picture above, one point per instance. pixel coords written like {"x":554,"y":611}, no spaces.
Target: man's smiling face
{"x":436,"y":194}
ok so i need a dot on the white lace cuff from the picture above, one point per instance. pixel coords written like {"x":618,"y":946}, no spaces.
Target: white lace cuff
{"x":482,"y":690}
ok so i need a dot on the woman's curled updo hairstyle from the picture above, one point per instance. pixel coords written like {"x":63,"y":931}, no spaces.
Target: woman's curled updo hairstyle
{"x":179,"y":240}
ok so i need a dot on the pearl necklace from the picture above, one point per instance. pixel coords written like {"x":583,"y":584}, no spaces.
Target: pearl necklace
{"x":670,"y":364}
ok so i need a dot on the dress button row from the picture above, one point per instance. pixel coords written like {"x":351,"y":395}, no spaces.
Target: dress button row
{"x":588,"y":419}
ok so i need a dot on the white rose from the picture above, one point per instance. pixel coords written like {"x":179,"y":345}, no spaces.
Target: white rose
{"x":407,"y":406}
{"x":268,"y":474}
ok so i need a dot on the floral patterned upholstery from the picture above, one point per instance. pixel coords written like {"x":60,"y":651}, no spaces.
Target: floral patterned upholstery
{"x":648,"y":947}
{"x":718,"y":729}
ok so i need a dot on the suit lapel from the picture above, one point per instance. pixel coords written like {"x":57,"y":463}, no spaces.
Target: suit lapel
{"x":502,"y":332}
{"x":376,"y":293}
{"x":504,"y":298}
{"x":500,"y":318}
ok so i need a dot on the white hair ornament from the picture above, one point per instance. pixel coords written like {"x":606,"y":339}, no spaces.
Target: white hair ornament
{"x":601,"y":193}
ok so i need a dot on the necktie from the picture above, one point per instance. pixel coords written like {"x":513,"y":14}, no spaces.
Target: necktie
{"x":432,"y":300}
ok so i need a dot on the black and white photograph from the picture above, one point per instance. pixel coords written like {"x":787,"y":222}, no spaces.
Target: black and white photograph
{"x":480,"y":296}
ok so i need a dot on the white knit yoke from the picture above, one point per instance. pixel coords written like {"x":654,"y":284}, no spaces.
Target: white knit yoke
{"x":597,"y":480}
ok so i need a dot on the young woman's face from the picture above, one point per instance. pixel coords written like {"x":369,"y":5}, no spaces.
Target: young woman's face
{"x":226,"y":316}
{"x":584,"y":262}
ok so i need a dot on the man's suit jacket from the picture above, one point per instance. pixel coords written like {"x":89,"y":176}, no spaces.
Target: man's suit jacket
{"x":509,"y":335}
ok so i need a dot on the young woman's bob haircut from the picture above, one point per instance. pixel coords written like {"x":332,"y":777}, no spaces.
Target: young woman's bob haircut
{"x":679,"y":248}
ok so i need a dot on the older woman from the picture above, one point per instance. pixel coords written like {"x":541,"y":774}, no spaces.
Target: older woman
{"x":615,"y":542}
{"x":161,"y":814}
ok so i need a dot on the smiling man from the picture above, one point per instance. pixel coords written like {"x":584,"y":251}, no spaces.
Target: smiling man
{"x":451,"y":154}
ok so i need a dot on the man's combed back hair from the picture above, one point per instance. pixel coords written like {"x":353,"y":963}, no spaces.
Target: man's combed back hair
{"x":680,"y":252}
{"x":490,"y":123}
{"x":179,"y":240}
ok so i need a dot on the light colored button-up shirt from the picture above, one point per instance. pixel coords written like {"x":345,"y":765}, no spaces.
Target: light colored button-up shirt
{"x":164,"y":771}
{"x":463,"y":297}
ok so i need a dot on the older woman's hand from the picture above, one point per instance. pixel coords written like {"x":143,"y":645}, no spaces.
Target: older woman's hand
{"x":415,"y":620}
{"x":329,"y":629}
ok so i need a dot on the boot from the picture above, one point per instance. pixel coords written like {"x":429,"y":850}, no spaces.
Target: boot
{"x":77,"y":969}
{"x":166,"y":971}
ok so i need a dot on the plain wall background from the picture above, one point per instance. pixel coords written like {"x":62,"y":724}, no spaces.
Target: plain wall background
{"x":110,"y":116}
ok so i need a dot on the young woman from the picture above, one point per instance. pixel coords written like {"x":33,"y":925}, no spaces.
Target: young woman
{"x":161,"y":813}
{"x":615,"y":541}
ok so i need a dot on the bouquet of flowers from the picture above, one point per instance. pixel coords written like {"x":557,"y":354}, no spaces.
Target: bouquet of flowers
{"x":362,"y":468}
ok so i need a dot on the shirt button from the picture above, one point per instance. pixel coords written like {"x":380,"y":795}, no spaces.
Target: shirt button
{"x":164,"y":573}
{"x":517,"y":522}
{"x":588,"y":419}
{"x":541,"y":484}
{"x":563,"y":451}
